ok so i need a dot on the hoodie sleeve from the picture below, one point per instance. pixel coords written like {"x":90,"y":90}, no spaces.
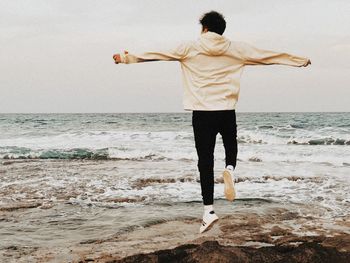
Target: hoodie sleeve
{"x":254,"y":56}
{"x":176,"y":54}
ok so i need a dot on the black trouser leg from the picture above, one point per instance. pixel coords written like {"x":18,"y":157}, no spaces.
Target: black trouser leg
{"x":228,"y":131}
{"x":204,"y":129}
{"x":206,"y":125}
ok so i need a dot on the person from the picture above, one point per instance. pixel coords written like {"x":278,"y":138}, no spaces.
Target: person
{"x":211,"y":70}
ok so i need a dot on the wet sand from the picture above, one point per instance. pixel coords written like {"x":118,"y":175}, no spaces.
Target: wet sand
{"x":273,"y":226}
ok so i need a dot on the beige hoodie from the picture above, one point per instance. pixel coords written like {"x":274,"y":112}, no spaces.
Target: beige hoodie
{"x":212,"y":68}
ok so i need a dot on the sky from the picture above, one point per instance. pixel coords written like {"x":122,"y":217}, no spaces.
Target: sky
{"x":56,"y":56}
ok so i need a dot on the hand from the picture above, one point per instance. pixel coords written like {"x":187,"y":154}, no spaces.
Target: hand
{"x":307,"y":63}
{"x":117,"y":58}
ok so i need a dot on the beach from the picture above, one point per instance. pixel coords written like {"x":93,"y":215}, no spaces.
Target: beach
{"x":104,"y":187}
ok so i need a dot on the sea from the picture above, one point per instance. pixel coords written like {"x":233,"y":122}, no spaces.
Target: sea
{"x":68,"y":178}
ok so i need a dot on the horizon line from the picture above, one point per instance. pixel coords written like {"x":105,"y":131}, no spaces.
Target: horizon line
{"x":150,"y":112}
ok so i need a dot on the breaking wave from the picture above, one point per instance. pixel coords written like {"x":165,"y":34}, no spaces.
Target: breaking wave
{"x":76,"y":153}
{"x":322,"y":141}
{"x":112,"y":153}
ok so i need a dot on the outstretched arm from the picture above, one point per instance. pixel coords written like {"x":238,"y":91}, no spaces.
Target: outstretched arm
{"x":176,"y":54}
{"x":254,"y":56}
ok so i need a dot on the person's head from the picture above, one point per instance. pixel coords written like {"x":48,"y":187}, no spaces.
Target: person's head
{"x":214,"y":22}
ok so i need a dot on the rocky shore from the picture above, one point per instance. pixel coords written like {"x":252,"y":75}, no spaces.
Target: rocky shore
{"x":276,"y":235}
{"x":271,"y":234}
{"x":67,"y":218}
{"x":212,"y":251}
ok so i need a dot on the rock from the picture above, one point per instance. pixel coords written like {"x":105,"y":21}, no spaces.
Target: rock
{"x":255,"y":159}
{"x":20,"y":205}
{"x":212,"y":251}
{"x":277,"y":231}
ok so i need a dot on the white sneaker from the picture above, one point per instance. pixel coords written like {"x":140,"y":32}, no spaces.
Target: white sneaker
{"x":229,"y":191}
{"x":208,"y":221}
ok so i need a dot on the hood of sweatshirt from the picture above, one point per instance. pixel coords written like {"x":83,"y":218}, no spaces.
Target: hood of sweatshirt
{"x":213,"y":43}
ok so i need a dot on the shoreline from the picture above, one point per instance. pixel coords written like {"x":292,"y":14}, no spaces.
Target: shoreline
{"x":268,"y":232}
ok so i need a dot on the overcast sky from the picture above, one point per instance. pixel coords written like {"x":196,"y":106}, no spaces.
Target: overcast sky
{"x":56,"y":56}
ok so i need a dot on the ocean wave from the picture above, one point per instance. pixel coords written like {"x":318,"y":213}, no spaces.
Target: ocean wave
{"x":151,"y":181}
{"x":268,"y":178}
{"x":344,"y":125}
{"x":266,"y":127}
{"x":280,"y":138}
{"x":23,"y":144}
{"x":279,"y":127}
{"x":130,"y":154}
{"x":76,"y":154}
{"x":322,"y":141}
{"x":297,"y":126}
{"x":249,"y":140}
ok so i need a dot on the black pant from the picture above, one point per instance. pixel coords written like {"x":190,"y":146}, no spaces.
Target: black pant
{"x":206,"y":125}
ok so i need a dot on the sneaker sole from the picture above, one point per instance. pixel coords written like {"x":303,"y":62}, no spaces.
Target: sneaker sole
{"x":230,"y":192}
{"x":209,"y":226}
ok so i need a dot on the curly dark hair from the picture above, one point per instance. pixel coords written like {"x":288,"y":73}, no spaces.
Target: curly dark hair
{"x":214,"y":22}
